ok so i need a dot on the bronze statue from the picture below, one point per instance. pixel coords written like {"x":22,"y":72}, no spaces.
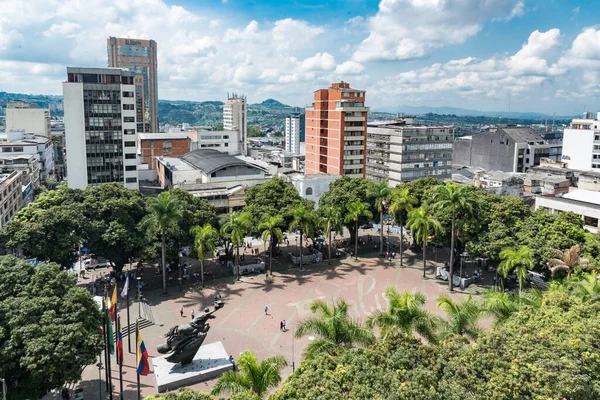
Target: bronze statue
{"x":183,"y":341}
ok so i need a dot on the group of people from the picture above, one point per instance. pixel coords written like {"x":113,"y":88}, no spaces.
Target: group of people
{"x":283,"y":326}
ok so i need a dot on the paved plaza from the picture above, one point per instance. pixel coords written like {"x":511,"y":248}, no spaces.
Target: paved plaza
{"x":242,"y":324}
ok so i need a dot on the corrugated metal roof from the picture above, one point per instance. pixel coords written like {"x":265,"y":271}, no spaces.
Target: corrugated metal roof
{"x":521,"y":134}
{"x":211,"y":160}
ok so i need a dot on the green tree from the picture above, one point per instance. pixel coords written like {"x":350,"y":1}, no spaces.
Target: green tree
{"x":520,"y":260}
{"x":401,"y":204}
{"x":205,"y":240}
{"x":568,"y":261}
{"x":182,"y":394}
{"x":237,"y":228}
{"x":254,"y":377}
{"x":405,"y":313}
{"x":163,"y":219}
{"x":255,"y":131}
{"x":455,"y":201}
{"x":343,"y":191}
{"x":379,"y":193}
{"x":461,"y":317}
{"x":49,"y":328}
{"x":501,"y":306}
{"x":587,"y":287}
{"x":302,"y":221}
{"x":422,"y":224}
{"x":271,"y":231}
{"x":333,"y":222}
{"x":334,"y":328}
{"x":355,"y":211}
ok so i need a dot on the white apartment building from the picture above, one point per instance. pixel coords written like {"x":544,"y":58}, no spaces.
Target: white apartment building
{"x":23,"y":116}
{"x":224,"y":141}
{"x":294,"y":129}
{"x":400,"y":151}
{"x":235,"y":118}
{"x":100,"y":127}
{"x":581,"y":143}
{"x":21,"y":143}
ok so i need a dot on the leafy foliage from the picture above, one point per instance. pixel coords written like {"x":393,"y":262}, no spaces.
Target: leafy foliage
{"x":49,"y":328}
{"x":182,"y":394}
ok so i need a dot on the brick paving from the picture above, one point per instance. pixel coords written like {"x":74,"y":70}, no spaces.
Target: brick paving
{"x":242,"y":324}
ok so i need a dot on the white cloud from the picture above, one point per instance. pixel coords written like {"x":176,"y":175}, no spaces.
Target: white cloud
{"x":349,"y":68}
{"x":406,"y":29}
{"x":531,"y":58}
{"x":319,"y":62}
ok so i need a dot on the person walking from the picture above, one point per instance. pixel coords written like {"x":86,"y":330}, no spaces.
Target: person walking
{"x":280,"y":325}
{"x":181,"y":311}
{"x":193,"y":314}
{"x":266,"y":310}
{"x":284,"y":326}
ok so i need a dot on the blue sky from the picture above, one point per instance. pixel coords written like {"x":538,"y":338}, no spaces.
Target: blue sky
{"x":543,"y":55}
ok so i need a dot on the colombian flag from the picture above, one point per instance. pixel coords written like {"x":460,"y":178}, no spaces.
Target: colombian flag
{"x":120,"y":342}
{"x":113,"y":304}
{"x":143,"y":367}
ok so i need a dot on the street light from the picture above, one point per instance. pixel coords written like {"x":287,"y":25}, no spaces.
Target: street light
{"x":139,"y":286}
{"x":3,"y":388}
{"x":99,"y":365}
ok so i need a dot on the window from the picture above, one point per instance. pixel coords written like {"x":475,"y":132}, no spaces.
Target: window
{"x":130,"y":180}
{"x":130,"y":156}
{"x":346,"y":94}
{"x":130,"y":168}
{"x":308,"y":191}
{"x":130,"y":131}
{"x":129,"y":144}
{"x":128,"y":107}
{"x":7,"y":149}
{"x":128,"y":119}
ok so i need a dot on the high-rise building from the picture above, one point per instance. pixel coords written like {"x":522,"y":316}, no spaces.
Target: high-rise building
{"x":100,"y":127}
{"x":23,"y":116}
{"x":294,"y":132}
{"x":336,"y":127}
{"x":401,"y":151}
{"x":139,"y":56}
{"x":235,"y":118}
{"x":581,"y":143}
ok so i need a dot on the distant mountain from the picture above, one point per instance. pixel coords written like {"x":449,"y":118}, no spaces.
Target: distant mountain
{"x":420,"y":110}
{"x":272,"y":103}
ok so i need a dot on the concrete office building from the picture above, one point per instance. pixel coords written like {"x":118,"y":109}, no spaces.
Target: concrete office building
{"x":11,"y":196}
{"x":225,"y":141}
{"x":584,"y":203}
{"x":154,"y":145}
{"x":140,"y":57}
{"x":100,"y":127}
{"x":336,"y":127}
{"x":509,"y":149}
{"x":581,"y":143}
{"x":235,"y":118}
{"x":401,"y":151}
{"x":21,"y":143}
{"x":23,"y":116}
{"x":294,"y":132}
{"x":29,"y":167}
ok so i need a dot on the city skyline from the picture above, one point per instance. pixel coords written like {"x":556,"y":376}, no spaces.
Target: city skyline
{"x":536,"y":56}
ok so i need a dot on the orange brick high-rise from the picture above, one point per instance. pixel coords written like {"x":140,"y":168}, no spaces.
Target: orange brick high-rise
{"x":336,"y":129}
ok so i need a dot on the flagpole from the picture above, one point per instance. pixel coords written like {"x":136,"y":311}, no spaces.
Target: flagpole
{"x":137,"y":339}
{"x":108,"y":367}
{"x":121,"y":359}
{"x":128,"y":320}
{"x":105,"y":329}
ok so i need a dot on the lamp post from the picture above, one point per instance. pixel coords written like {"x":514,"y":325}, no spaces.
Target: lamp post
{"x":462,"y":259}
{"x":4,"y":388}
{"x":139,"y":287}
{"x":99,"y":365}
{"x":293,"y":364}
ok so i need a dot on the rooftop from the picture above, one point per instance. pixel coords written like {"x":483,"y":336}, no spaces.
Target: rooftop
{"x":211,"y":160}
{"x":163,"y":136}
{"x":177,"y":163}
{"x":521,"y":134}
{"x":585,"y":196}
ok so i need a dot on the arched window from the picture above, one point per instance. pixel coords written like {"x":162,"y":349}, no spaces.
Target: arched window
{"x":308,"y":191}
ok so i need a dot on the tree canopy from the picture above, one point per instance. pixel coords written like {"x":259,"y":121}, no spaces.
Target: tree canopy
{"x":49,"y":328}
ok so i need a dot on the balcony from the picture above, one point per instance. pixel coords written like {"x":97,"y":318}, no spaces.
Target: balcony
{"x":354,"y":128}
{"x":354,"y":156}
{"x":355,"y":147}
{"x":354,"y":119}
{"x":354,"y":138}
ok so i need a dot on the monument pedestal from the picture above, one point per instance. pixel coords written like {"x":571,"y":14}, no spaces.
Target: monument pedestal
{"x":210,"y":362}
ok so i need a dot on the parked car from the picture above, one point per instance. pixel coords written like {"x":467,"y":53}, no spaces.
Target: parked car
{"x":95,"y":262}
{"x":367,"y":226}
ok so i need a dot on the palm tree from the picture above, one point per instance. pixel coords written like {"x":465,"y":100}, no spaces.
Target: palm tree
{"x":271,"y":229}
{"x":356,"y":210}
{"x":238,"y":226}
{"x":254,"y":378}
{"x":462,"y":317}
{"x":422,"y":224}
{"x":501,"y":306}
{"x":333,"y":327}
{"x":380,"y":192}
{"x":402,"y":202}
{"x":569,"y":261}
{"x":455,"y":200}
{"x":333,"y":221}
{"x":405,"y":313}
{"x":163,"y":219}
{"x":520,"y":260}
{"x":205,"y":240}
{"x":302,"y":220}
